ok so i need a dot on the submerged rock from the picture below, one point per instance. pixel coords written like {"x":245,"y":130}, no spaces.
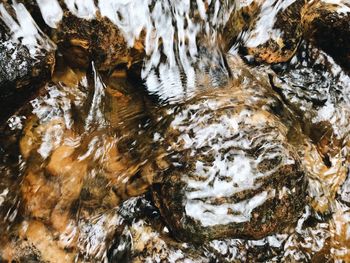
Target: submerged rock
{"x":317,"y":89}
{"x":99,"y":40}
{"x":227,"y":162}
{"x":82,"y":34}
{"x":78,"y":167}
{"x":233,"y":169}
{"x":327,"y":25}
{"x":145,"y":238}
{"x":268,"y":31}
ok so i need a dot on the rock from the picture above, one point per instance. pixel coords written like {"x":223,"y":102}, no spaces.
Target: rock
{"x":26,"y":56}
{"x":344,"y":191}
{"x":82,"y":34}
{"x":40,"y":195}
{"x":82,"y":41}
{"x":241,"y":19}
{"x":268,"y":31}
{"x":327,"y":25}
{"x":39,"y":236}
{"x":234,"y":170}
{"x":143,"y":237}
{"x":35,"y":243}
{"x":315,"y":87}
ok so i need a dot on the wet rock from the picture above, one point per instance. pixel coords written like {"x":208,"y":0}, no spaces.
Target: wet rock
{"x":241,"y":18}
{"x":316,"y":88}
{"x":27,"y":56}
{"x":233,"y":170}
{"x":13,"y":251}
{"x":39,"y":236}
{"x":40,"y":195}
{"x":149,"y":245}
{"x":83,"y":34}
{"x":268,"y":31}
{"x":344,"y":191}
{"x":144,"y":237}
{"x":78,"y":172}
{"x":340,"y":229}
{"x":327,"y":25}
{"x":35,"y":243}
{"x":84,"y":40}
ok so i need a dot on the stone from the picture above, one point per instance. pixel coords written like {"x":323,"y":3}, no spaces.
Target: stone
{"x":327,"y":25}
{"x":233,"y":169}
{"x":26,"y":57}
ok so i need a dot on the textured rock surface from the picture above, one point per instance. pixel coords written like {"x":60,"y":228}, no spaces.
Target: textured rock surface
{"x":229,"y":165}
{"x":327,"y":26}
{"x":82,"y":41}
{"x":26,"y":56}
{"x":268,"y":31}
{"x":233,"y":169}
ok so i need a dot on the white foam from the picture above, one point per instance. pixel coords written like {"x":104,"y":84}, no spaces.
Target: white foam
{"x":264,"y":29}
{"x":95,"y":115}
{"x":239,"y":174}
{"x":93,"y":236}
{"x":131,"y":17}
{"x":326,"y":112}
{"x":82,"y":8}
{"x":51,"y":12}
{"x":343,"y":6}
{"x":244,"y":3}
{"x":211,"y":214}
{"x":16,"y":122}
{"x":3,"y":194}
{"x":51,"y":139}
{"x":26,"y":30}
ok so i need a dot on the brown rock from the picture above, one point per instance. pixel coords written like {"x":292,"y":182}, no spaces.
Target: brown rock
{"x":286,"y":32}
{"x":268,"y":31}
{"x":233,"y":171}
{"x":41,"y":238}
{"x":327,"y":26}
{"x":40,"y":195}
{"x":82,"y":41}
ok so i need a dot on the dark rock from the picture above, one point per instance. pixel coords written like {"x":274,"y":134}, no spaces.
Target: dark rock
{"x":26,"y":57}
{"x":82,"y":41}
{"x":327,"y":26}
{"x":344,"y":191}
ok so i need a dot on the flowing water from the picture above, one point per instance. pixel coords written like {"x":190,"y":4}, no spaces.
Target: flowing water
{"x":93,"y":165}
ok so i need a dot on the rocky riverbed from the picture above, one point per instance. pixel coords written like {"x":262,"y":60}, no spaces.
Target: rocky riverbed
{"x":174,"y":131}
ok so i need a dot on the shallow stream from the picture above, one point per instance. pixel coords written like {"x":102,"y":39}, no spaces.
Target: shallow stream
{"x":175,"y":131}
